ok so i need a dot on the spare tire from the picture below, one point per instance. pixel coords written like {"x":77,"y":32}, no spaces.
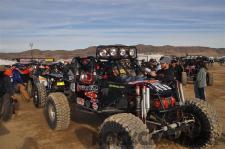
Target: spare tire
{"x":209,"y":78}
{"x":184,"y":78}
{"x":6,"y":107}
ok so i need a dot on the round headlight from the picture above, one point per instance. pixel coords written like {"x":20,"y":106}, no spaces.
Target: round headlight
{"x":113,"y":52}
{"x":132,"y":52}
{"x":103,"y":53}
{"x":122,"y":52}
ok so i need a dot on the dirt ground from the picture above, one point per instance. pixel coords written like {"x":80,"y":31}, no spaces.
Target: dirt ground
{"x":29,"y":130}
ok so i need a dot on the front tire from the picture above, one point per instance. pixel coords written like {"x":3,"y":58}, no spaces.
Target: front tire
{"x":57,"y":111}
{"x":205,"y":130}
{"x":124,"y":131}
{"x":39,"y":95}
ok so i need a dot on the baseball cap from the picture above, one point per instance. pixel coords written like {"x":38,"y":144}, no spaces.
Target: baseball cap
{"x":165,"y":59}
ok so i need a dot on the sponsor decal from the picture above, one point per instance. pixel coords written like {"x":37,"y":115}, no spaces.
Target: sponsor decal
{"x":87,"y":88}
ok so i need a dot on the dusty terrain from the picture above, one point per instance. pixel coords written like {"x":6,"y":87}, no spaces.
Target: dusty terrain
{"x":29,"y":130}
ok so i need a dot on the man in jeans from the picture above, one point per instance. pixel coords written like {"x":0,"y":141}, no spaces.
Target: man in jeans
{"x":200,"y":82}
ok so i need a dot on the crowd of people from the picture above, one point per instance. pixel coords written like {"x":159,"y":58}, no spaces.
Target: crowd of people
{"x":14,"y":79}
{"x":168,"y":70}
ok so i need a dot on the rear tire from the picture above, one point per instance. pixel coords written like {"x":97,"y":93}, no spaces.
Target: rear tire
{"x":124,"y":131}
{"x":206,"y":128}
{"x":209,"y":78}
{"x":184,"y":78}
{"x":57,"y":111}
{"x":6,"y":107}
{"x":39,"y":95}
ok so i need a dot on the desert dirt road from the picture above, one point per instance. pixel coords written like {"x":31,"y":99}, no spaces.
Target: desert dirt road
{"x":29,"y":130}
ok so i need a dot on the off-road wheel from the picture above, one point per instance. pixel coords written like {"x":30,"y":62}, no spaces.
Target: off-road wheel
{"x":30,"y":88}
{"x":39,"y":95}
{"x":209,"y":78}
{"x":184,"y":78}
{"x":124,"y":131}
{"x":6,"y":107}
{"x":57,"y":111}
{"x":205,"y":130}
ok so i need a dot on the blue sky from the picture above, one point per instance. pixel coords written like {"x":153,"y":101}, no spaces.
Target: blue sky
{"x":73,"y":24}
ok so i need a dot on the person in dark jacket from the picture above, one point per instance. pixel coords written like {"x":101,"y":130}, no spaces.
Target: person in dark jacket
{"x":166,"y":73}
{"x":6,"y":93}
{"x":6,"y":85}
{"x":177,"y":69}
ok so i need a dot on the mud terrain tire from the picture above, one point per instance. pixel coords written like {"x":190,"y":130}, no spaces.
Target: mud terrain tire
{"x":209,"y":78}
{"x":6,"y":107}
{"x":40,"y":95}
{"x":125,"y":131}
{"x":206,"y":123}
{"x":57,"y":111}
{"x":184,"y":78}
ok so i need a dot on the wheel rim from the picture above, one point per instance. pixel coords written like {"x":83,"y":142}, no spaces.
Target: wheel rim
{"x":51,"y":112}
{"x":113,"y":141}
{"x":195,"y":129}
{"x":35,"y":97}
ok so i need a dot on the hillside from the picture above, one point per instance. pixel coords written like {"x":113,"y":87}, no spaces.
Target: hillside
{"x":147,"y":49}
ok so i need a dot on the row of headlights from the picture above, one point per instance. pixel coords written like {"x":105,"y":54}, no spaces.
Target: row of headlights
{"x":116,"y":52}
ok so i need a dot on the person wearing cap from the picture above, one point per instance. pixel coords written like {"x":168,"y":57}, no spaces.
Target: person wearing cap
{"x":165,"y":74}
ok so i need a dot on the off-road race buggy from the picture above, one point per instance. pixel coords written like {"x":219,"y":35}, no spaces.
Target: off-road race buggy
{"x":190,"y":64}
{"x":145,"y":108}
{"x":49,"y":79}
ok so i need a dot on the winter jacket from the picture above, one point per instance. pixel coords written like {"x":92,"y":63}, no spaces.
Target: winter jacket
{"x":201,"y":78}
{"x":17,"y":77}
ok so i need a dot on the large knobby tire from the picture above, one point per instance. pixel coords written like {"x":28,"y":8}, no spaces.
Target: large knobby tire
{"x":205,"y":130}
{"x":184,"y":78}
{"x":39,"y":95}
{"x":30,"y":88}
{"x":124,"y":131}
{"x":209,"y":78}
{"x":6,"y":107}
{"x":57,"y":111}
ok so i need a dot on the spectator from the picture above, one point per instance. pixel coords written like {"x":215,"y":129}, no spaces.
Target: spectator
{"x":177,"y":69}
{"x":200,"y":82}
{"x":18,"y":82}
{"x":165,"y":74}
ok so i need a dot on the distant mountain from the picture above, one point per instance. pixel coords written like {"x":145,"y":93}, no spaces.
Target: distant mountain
{"x":90,"y":51}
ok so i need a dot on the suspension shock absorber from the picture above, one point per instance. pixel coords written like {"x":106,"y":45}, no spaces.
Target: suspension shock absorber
{"x":143,"y":104}
{"x":138,"y":101}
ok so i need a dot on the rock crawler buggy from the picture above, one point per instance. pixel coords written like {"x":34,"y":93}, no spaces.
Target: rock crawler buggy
{"x":145,"y":108}
{"x":49,"y":80}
